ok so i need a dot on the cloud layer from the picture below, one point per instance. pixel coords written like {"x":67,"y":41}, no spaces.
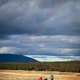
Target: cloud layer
{"x":32,"y":16}
{"x":40,"y":27}
{"x":39,"y":45}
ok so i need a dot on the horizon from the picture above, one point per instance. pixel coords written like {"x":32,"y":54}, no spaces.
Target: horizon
{"x":45,"y":28}
{"x":48,"y":58}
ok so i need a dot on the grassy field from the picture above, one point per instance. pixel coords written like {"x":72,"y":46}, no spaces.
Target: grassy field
{"x":34,"y":75}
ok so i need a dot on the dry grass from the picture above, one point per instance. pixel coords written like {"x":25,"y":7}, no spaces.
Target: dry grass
{"x":34,"y":75}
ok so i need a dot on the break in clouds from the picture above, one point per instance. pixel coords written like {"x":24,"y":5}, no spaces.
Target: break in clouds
{"x":40,"y":27}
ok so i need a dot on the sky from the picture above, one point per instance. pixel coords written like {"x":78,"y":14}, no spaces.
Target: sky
{"x":46,"y":30}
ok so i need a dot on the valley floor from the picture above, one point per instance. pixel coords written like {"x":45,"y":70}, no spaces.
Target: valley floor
{"x":34,"y":75}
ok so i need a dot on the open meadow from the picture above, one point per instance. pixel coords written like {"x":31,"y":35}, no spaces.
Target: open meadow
{"x":34,"y":75}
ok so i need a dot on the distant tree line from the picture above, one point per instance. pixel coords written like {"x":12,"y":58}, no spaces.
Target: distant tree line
{"x":69,"y":66}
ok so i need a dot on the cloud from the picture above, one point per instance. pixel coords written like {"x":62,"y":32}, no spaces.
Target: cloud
{"x":32,"y":17}
{"x":40,"y":27}
{"x":43,"y":45}
{"x":3,"y":2}
{"x":7,"y":50}
{"x":51,"y":3}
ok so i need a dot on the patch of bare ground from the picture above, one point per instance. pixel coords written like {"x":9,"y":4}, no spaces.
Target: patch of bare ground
{"x":34,"y":75}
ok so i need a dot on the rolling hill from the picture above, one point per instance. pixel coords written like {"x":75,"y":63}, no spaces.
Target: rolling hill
{"x":14,"y":58}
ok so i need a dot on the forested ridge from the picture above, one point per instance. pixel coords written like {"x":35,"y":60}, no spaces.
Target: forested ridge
{"x":68,"y":66}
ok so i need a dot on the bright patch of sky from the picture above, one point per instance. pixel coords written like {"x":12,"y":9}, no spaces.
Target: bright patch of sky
{"x":48,"y":58}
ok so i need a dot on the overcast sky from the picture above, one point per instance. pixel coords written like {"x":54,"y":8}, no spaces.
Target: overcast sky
{"x":50,"y":28}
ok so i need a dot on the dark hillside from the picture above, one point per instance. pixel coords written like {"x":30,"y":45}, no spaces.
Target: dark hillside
{"x":15,"y":58}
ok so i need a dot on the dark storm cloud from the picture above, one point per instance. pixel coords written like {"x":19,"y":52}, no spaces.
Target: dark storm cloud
{"x":77,"y":53}
{"x":27,"y":16}
{"x":2,"y":36}
{"x":40,"y":27}
{"x":50,"y":3}
{"x":3,"y":2}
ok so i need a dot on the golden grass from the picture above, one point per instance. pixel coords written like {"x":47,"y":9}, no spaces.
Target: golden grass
{"x":34,"y":75}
